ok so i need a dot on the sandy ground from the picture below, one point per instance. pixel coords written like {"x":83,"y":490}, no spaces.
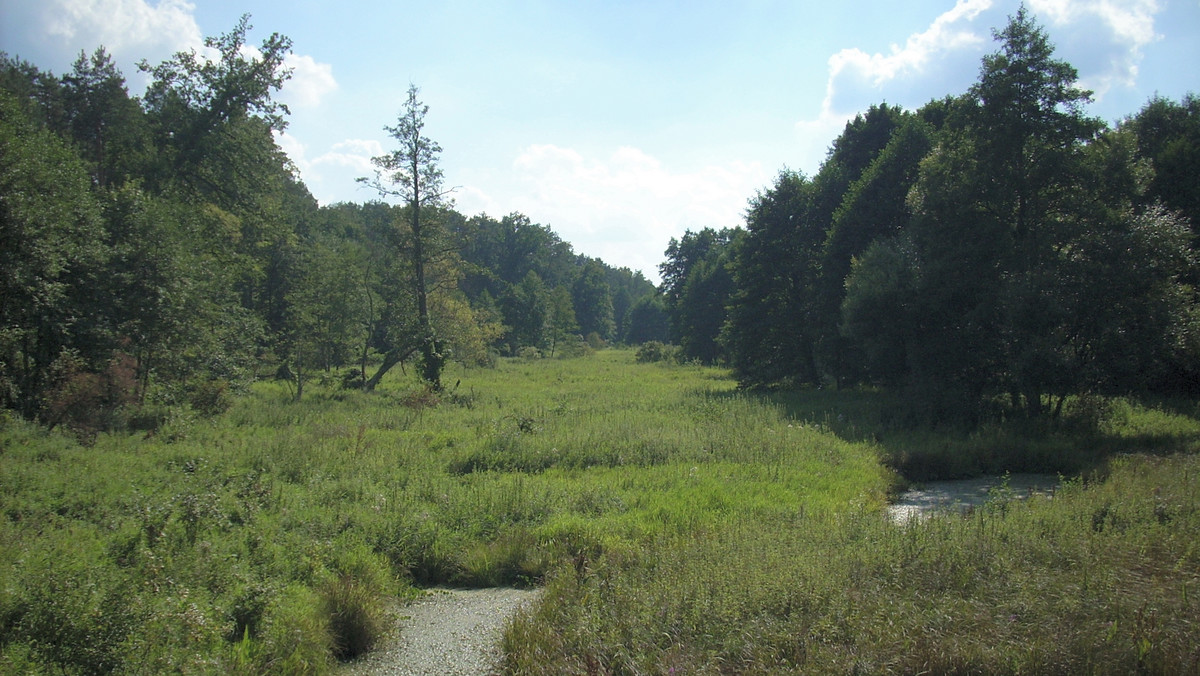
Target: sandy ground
{"x":448,"y":632}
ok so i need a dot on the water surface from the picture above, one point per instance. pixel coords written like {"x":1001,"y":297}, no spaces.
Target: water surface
{"x":961,"y":495}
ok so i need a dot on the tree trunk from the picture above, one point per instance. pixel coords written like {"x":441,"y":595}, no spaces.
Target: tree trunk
{"x":431,"y":358}
{"x":390,"y":359}
{"x":1033,"y":403}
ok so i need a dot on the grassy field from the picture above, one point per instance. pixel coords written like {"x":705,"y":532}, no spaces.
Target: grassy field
{"x":676,"y":523}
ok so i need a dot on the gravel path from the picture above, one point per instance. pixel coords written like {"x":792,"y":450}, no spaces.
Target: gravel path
{"x":448,"y":632}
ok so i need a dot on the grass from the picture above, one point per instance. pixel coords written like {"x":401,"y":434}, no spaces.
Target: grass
{"x":676,"y":522}
{"x":267,"y":538}
{"x":1101,"y":579}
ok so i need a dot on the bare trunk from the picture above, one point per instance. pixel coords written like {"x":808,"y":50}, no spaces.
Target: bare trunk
{"x":390,"y":359}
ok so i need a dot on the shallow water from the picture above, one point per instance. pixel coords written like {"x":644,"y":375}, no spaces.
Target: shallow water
{"x":961,"y":495}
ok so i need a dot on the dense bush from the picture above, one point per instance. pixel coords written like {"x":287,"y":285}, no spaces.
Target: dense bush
{"x":654,"y":351}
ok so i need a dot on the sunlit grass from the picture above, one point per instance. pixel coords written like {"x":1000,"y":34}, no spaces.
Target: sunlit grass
{"x":676,"y":521}
{"x":207,"y":539}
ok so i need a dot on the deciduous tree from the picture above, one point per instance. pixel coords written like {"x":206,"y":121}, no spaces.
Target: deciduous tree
{"x":411,"y":173}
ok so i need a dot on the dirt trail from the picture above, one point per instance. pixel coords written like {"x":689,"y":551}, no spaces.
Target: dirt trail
{"x":449,"y":632}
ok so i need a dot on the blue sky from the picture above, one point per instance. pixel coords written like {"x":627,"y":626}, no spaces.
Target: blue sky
{"x":619,"y":124}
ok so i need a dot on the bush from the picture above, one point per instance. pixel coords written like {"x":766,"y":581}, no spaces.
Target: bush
{"x":211,"y":398}
{"x":353,"y":600}
{"x":89,"y":402}
{"x":529,"y":353}
{"x":296,"y":634}
{"x":654,"y":351}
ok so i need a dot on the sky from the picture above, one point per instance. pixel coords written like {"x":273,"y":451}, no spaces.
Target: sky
{"x":619,"y":124}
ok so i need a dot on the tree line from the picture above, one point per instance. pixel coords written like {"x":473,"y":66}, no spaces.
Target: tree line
{"x":999,"y":248}
{"x":162,"y":249}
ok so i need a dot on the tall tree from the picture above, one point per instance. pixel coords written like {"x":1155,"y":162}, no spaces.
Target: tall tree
{"x":195,"y":101}
{"x":697,"y":287}
{"x":769,"y":330}
{"x":411,"y":173}
{"x":873,"y":207}
{"x":592,"y":301}
{"x":1019,"y":212}
{"x":108,"y":126}
{"x":51,"y":253}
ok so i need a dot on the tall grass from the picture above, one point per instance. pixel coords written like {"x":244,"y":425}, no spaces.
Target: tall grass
{"x":267,"y":539}
{"x":1101,"y":579}
{"x":676,"y":522}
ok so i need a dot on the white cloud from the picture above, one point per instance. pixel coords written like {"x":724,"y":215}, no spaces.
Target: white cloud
{"x":353,"y":153}
{"x":330,"y":175}
{"x":623,"y":208}
{"x":132,"y":30}
{"x":915,"y":72}
{"x":129,"y":28}
{"x":310,"y":81}
{"x":1106,"y":37}
{"x":944,"y":35}
{"x":949,"y":33}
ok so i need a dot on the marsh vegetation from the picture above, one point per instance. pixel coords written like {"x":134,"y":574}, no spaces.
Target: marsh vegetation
{"x":674,"y":521}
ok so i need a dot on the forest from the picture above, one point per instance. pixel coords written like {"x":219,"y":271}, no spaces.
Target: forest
{"x":239,"y":429}
{"x":991,"y":253}
{"x":162,"y":250}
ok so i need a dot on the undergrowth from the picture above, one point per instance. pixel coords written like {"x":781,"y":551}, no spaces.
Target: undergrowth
{"x":675,"y":521}
{"x":1100,"y":579}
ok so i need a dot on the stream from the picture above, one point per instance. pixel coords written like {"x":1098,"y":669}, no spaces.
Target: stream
{"x":961,"y":495}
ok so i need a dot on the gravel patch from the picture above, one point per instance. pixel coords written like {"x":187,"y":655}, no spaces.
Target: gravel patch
{"x":447,"y":632}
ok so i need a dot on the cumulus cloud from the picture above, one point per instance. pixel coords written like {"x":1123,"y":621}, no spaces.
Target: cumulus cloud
{"x":330,"y":175}
{"x":1105,"y":38}
{"x":352,"y":153}
{"x":949,"y":34}
{"x":624,"y":207}
{"x":132,"y":30}
{"x":310,"y":82}
{"x":911,"y":74}
{"x":126,"y":28}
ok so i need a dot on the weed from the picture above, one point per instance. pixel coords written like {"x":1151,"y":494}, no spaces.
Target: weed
{"x":676,"y":522}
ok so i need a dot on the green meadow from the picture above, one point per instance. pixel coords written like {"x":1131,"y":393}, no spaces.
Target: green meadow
{"x":676,"y":523}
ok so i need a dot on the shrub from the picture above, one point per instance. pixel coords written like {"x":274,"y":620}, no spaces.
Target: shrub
{"x":529,"y":353}
{"x":654,"y":351}
{"x":211,"y":398}
{"x":89,"y":402}
{"x":353,"y":601}
{"x":296,"y":634}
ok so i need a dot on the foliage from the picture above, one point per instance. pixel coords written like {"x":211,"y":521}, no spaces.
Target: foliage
{"x":654,"y":351}
{"x":1081,"y":583}
{"x":697,"y":285}
{"x":51,"y":252}
{"x":411,"y":173}
{"x":999,"y":244}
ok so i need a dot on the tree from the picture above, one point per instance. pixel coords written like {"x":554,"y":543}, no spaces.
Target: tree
{"x":561,"y":326}
{"x":698,"y":286}
{"x":592,"y":301}
{"x":51,"y":255}
{"x":108,"y":126}
{"x":769,"y":331}
{"x":1168,"y":136}
{"x":648,"y":321}
{"x":877,"y":310}
{"x":1034,"y":260}
{"x":874,"y":207}
{"x":411,"y":173}
{"x":527,"y":312}
{"x":194,"y":99}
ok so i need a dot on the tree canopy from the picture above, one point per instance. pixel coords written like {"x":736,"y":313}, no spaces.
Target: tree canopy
{"x":993,"y":249}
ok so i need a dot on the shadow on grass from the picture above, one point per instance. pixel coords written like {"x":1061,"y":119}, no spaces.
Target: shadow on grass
{"x":1079,"y":442}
